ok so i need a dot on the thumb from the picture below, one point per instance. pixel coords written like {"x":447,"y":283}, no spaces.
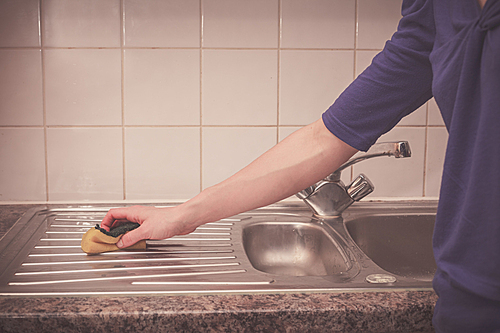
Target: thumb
{"x":130,"y":238}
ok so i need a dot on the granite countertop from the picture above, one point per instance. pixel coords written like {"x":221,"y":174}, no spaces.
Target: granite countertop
{"x":395,"y":311}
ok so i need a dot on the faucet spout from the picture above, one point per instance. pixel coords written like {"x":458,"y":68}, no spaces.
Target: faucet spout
{"x":330,"y":197}
{"x":398,"y":149}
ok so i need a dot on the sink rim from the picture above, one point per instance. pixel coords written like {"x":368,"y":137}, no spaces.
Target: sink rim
{"x":277,"y":284}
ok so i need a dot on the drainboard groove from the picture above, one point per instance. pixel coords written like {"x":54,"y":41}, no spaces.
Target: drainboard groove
{"x":129,"y":253}
{"x":194,"y":233}
{"x":113,"y":278}
{"x":79,"y":262}
{"x":115,"y":269}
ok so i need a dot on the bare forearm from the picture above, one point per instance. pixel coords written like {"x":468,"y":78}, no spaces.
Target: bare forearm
{"x":292,"y":165}
{"x":300,"y":160}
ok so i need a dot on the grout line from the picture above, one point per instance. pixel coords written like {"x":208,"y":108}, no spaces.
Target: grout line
{"x":425,"y":147}
{"x":201,"y":96}
{"x":184,"y":48}
{"x":44,"y":99}
{"x":278,"y":77}
{"x":122,"y":53}
{"x":355,"y":38}
{"x":21,"y":48}
{"x":23,"y":126}
{"x":167,"y":126}
{"x":355,"y":57}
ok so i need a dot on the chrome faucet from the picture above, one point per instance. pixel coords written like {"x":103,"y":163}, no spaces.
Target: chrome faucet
{"x":330,"y":197}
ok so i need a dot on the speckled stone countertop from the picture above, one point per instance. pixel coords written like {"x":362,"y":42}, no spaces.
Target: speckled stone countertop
{"x":397,"y":311}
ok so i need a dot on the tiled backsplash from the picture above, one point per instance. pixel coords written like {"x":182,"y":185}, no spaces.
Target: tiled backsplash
{"x":158,"y":99}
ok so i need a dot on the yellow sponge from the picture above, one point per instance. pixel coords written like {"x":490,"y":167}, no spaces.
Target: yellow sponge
{"x":98,"y":240}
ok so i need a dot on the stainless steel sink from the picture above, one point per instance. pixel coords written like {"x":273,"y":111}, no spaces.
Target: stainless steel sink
{"x":400,"y":244}
{"x":295,"y":249}
{"x":275,"y":249}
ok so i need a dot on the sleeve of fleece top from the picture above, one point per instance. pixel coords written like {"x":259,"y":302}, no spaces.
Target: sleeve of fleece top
{"x":397,"y":82}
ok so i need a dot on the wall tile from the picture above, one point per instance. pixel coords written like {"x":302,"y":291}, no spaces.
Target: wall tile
{"x":85,"y":163}
{"x":162,"y":23}
{"x":90,"y":23}
{"x":437,"y":139}
{"x":377,"y":21}
{"x":401,"y":177}
{"x":19,"y":23}
{"x":162,"y":87}
{"x":239,"y":87}
{"x":22,"y":164}
{"x":227,"y":150}
{"x":417,"y":118}
{"x":283,"y":132}
{"x":435,"y":118}
{"x":318,"y":24}
{"x":162,"y":163}
{"x":21,"y":101}
{"x":83,"y":87}
{"x":310,"y":83}
{"x":364,"y":59}
{"x":240,"y":23}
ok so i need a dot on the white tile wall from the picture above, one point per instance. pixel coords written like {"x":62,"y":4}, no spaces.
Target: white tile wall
{"x":21,"y":98}
{"x":227,"y":150}
{"x":310,"y":81}
{"x":22,"y":164}
{"x":19,"y":23}
{"x":88,"y":23}
{"x":239,"y":87}
{"x":158,"y":99}
{"x":240,"y":23}
{"x":162,"y":87}
{"x":377,"y":21}
{"x":162,"y":23}
{"x":304,"y":24}
{"x":84,"y":163}
{"x":83,"y":86}
{"x":162,"y":163}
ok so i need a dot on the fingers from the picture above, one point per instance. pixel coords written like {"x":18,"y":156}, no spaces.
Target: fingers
{"x":130,"y":238}
{"x":115,"y":215}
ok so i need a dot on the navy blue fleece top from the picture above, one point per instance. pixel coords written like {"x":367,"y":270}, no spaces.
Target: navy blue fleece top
{"x":449,"y":49}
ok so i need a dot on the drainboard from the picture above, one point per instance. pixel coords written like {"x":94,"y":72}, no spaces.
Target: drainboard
{"x":43,"y":257}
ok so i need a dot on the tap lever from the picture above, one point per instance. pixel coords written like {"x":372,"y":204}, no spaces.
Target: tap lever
{"x":360,"y":188}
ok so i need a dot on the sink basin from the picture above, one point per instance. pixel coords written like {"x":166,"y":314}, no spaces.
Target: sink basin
{"x":294,"y":249}
{"x":400,"y":244}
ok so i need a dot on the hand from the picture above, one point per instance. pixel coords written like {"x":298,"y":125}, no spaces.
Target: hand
{"x":156,"y":223}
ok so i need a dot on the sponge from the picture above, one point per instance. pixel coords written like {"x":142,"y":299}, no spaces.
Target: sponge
{"x":98,"y":240}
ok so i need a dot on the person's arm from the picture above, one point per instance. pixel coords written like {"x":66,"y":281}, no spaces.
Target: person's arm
{"x":297,"y":162}
{"x":398,"y":81}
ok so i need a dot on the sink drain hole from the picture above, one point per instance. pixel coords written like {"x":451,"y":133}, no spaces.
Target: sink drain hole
{"x":380,"y":278}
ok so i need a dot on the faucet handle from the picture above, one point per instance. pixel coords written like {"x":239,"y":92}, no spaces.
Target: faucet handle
{"x":360,"y":188}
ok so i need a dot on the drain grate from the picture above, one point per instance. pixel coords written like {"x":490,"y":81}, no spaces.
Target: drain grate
{"x":41,"y":255}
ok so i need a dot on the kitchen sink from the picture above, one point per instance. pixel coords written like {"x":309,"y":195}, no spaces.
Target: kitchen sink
{"x":295,"y":249}
{"x":275,"y":249}
{"x":400,"y":244}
